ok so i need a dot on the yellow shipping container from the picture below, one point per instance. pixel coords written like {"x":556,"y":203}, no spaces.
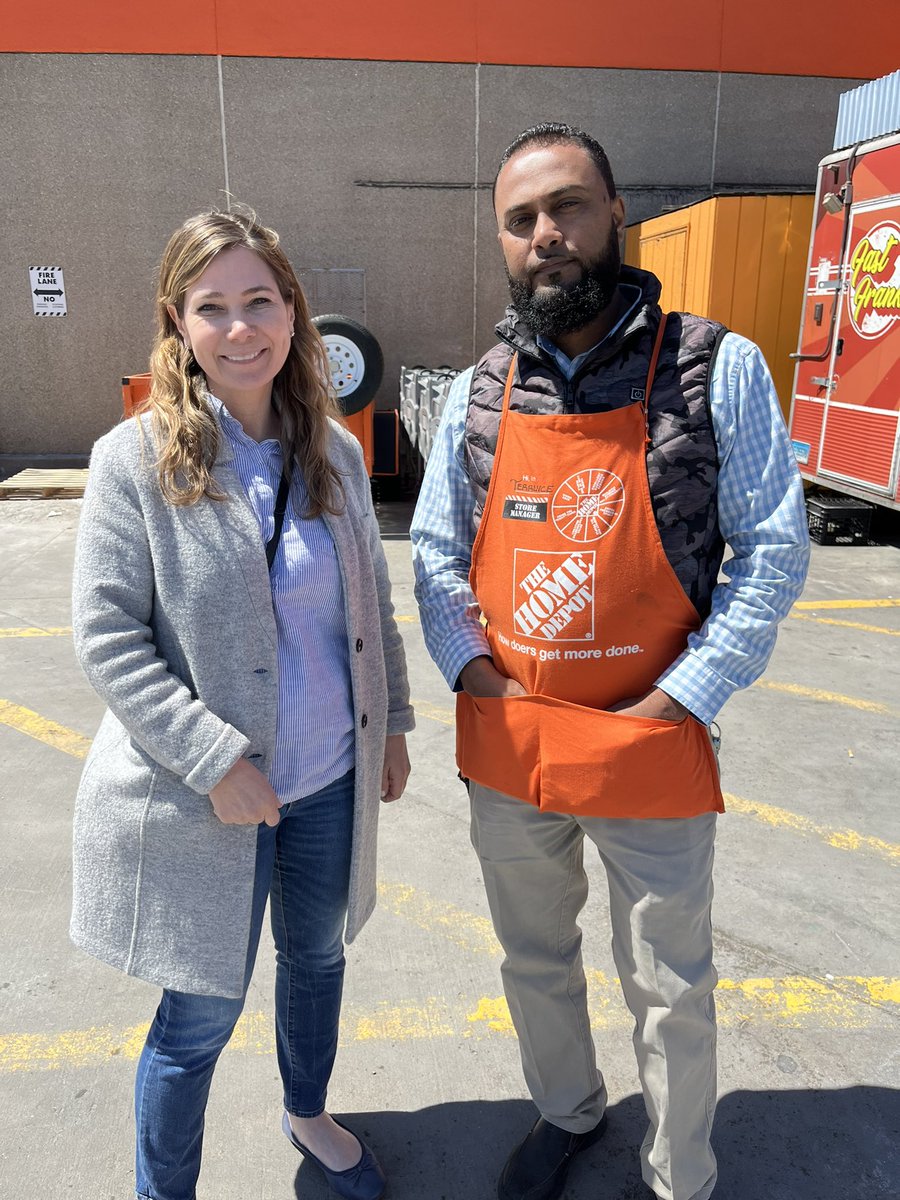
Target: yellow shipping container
{"x":738,"y":259}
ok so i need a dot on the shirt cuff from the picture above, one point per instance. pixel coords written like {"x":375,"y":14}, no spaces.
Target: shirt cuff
{"x":458,"y":649}
{"x":700,"y":688}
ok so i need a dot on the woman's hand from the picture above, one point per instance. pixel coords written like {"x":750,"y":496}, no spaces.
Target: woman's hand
{"x":396,"y":768}
{"x":244,"y":797}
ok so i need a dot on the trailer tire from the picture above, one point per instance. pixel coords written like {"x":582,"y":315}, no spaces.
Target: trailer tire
{"x":355,"y":358}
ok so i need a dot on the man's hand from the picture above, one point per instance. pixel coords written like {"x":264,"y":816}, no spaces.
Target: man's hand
{"x":479,"y":677}
{"x":396,"y":768}
{"x":655,"y":704}
{"x":244,"y":797}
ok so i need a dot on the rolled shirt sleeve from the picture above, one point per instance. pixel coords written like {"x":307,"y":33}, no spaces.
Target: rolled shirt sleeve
{"x":442,"y":534}
{"x":762,"y":518}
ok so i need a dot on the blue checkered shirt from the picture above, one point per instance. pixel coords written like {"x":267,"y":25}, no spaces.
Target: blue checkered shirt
{"x":761,"y":517}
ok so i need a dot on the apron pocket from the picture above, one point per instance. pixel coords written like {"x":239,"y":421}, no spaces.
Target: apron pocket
{"x":568,"y":758}
{"x":498,"y":743}
{"x":596,"y":763}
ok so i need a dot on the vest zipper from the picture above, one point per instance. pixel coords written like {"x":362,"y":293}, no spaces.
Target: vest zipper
{"x":568,"y":396}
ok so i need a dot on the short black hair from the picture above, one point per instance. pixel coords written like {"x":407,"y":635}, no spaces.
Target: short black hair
{"x":551,"y":133}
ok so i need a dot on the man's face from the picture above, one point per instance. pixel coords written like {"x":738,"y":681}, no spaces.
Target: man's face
{"x":559,"y":232}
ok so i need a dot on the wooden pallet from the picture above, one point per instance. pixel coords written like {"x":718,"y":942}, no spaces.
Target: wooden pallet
{"x":35,"y":484}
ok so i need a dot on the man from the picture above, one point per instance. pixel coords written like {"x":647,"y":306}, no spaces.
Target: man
{"x":567,"y":542}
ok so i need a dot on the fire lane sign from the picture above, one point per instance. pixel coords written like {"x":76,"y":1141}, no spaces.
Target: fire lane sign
{"x":48,"y":291}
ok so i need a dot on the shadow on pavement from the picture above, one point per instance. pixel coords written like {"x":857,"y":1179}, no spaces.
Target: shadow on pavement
{"x":791,"y":1145}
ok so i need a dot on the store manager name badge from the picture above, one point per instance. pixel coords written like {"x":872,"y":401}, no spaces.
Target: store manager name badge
{"x":527,"y":499}
{"x":525,"y":508}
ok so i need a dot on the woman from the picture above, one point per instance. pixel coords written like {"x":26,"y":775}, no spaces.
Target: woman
{"x":232,"y":607}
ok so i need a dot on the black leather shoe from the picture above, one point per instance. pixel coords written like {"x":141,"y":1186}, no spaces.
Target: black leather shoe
{"x":365,"y":1181}
{"x":537,"y":1168}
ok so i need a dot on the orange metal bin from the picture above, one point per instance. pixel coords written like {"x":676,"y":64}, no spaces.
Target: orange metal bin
{"x":136,"y":389}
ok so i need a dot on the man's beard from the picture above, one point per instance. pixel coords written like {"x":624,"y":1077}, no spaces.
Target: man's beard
{"x":564,"y":307}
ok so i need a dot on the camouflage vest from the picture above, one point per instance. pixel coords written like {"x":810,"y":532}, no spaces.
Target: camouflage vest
{"x":682,"y":461}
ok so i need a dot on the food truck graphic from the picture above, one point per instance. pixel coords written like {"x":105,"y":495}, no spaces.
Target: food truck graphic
{"x":845,"y":416}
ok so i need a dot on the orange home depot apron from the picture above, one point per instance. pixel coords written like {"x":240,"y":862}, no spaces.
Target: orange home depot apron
{"x":582,"y":607}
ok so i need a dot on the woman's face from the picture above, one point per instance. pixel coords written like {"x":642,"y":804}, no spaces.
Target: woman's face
{"x":238,"y":326}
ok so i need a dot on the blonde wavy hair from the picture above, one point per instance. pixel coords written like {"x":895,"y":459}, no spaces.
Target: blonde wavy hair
{"x":185,"y":430}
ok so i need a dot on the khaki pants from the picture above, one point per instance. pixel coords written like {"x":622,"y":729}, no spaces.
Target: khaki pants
{"x":660,"y":893}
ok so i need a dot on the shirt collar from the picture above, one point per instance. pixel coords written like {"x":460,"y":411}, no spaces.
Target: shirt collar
{"x":234,"y":430}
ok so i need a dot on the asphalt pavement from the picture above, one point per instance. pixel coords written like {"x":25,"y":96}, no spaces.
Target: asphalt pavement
{"x":806,"y":916}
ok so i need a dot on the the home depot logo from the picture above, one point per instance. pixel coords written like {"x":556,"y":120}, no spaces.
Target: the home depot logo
{"x":873,"y":298}
{"x":553,"y":594}
{"x":587,"y":505}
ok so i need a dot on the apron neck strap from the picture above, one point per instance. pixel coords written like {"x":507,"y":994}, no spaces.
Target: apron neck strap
{"x":510,"y":376}
{"x":651,"y":374}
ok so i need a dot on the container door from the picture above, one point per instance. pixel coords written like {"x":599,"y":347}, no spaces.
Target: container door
{"x":862,"y":406}
{"x":812,"y":380}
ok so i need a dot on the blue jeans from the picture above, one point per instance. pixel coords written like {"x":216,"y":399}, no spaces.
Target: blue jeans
{"x":303,"y":864}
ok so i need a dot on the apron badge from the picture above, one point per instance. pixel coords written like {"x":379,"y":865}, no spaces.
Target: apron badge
{"x":587,"y":506}
{"x":525,"y":508}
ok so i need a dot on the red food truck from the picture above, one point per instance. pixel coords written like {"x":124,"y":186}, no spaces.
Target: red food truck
{"x":845,"y":416}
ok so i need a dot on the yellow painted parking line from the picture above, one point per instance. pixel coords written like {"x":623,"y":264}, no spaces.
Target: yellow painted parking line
{"x":796,"y":689}
{"x":34,"y":631}
{"x":815,"y":605}
{"x":38,"y":727}
{"x":407,"y":619}
{"x":841,"y":839}
{"x":72,"y":1048}
{"x":473,"y":933}
{"x":400,"y":1022}
{"x":799,"y":616}
{"x":434,"y":712}
{"x":793,"y":1002}
{"x":844,"y":1002}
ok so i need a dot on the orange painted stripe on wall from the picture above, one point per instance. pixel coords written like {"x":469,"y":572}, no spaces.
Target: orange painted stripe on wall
{"x":811,"y":37}
{"x":683,"y":36}
{"x":802,"y":37}
{"x":109,"y":27}
{"x":394,"y":30}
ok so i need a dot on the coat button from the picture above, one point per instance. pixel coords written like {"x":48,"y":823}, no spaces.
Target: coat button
{"x":260,"y":671}
{"x":358,"y":645}
{"x":365,"y":720}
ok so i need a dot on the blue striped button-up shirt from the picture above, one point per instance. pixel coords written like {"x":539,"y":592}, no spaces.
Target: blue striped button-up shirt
{"x":761,"y":516}
{"x":314,"y":740}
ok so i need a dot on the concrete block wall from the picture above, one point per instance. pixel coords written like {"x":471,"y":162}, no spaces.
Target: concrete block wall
{"x":372,"y":165}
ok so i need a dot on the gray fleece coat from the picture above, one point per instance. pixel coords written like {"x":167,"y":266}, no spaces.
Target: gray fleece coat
{"x":174,"y":628}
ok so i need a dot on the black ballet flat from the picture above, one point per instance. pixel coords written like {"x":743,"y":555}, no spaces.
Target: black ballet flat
{"x":365,"y":1181}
